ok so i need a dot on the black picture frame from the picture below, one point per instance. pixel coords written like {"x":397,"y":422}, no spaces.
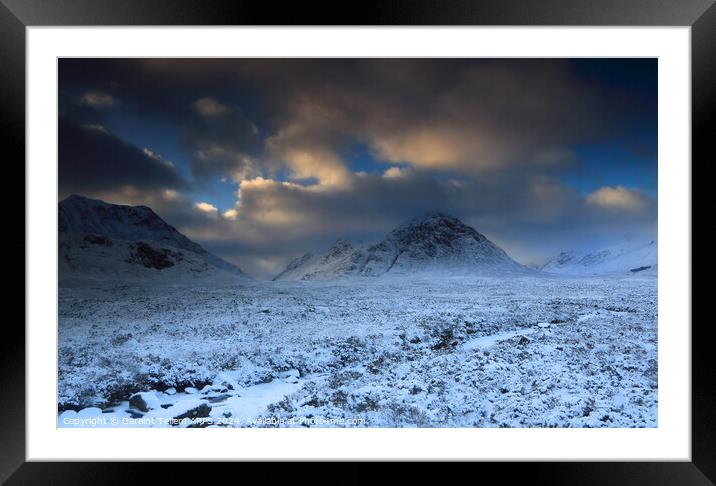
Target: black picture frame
{"x":16,"y":15}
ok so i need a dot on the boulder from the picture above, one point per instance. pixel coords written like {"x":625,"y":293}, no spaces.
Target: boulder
{"x":144,"y":401}
{"x":199,"y":411}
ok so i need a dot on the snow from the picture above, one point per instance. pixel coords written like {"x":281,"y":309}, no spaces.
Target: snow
{"x":358,"y":352}
{"x":237,"y":407}
{"x":629,"y":257}
{"x":488,"y":341}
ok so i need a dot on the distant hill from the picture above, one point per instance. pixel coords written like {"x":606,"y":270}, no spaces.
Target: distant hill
{"x":627,"y":258}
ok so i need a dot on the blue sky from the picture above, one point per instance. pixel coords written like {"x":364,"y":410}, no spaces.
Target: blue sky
{"x":261,"y":160}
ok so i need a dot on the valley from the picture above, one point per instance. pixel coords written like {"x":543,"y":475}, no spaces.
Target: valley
{"x":439,"y":352}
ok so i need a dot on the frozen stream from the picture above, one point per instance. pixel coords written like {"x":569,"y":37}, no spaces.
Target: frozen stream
{"x":214,"y":405}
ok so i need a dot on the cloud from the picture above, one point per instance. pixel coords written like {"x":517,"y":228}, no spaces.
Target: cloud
{"x":459,"y":115}
{"x":395,"y":172}
{"x":619,"y":198}
{"x":92,"y":159}
{"x":97,"y":99}
{"x":322,"y":165}
{"x":467,"y":117}
{"x":210,"y":107}
{"x":208,"y":209}
{"x":216,"y":160}
{"x":221,"y":146}
{"x":153,"y":155}
{"x":231,"y":214}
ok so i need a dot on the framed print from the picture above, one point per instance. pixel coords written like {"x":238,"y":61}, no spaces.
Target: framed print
{"x":465,"y":238}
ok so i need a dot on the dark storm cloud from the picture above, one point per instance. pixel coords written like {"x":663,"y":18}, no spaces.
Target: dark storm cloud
{"x":446,"y":114}
{"x":456,"y":114}
{"x":222,"y":144}
{"x":92,"y":160}
{"x":221,"y":140}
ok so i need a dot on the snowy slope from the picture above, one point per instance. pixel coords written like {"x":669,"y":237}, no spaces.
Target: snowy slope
{"x":627,"y":258}
{"x":341,"y":259}
{"x":100,"y":241}
{"x":434,"y":244}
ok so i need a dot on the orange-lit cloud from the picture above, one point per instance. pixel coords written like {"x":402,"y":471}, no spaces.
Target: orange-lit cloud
{"x":208,"y":209}
{"x":618,"y":198}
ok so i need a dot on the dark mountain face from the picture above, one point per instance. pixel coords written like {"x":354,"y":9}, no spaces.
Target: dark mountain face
{"x":427,"y":236}
{"x":100,"y":237}
{"x":436,"y":241}
{"x":81,"y":215}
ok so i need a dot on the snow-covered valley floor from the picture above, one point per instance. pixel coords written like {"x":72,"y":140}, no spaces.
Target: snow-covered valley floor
{"x":450,"y":352}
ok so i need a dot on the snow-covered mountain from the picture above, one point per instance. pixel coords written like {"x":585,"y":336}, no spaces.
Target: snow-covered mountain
{"x":100,"y":241}
{"x":434,"y":244}
{"x":627,"y":258}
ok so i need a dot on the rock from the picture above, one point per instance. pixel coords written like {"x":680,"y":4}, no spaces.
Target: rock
{"x":144,"y":401}
{"x":224,"y":380}
{"x":543,"y":325}
{"x":214,"y":388}
{"x":136,"y":401}
{"x":523,"y":341}
{"x":218,"y":398}
{"x":196,"y":412}
{"x":291,"y":376}
{"x":191,"y":390}
{"x":133,"y":414}
{"x":171,"y":391}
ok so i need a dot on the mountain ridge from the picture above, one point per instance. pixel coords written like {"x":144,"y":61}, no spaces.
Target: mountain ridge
{"x":99,"y":240}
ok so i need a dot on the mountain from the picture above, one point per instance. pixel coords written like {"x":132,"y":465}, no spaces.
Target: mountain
{"x":100,"y":241}
{"x":434,"y":244}
{"x":626,"y":258}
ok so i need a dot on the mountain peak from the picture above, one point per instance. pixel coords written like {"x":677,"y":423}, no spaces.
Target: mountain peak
{"x":434,"y":229}
{"x":434,"y":217}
